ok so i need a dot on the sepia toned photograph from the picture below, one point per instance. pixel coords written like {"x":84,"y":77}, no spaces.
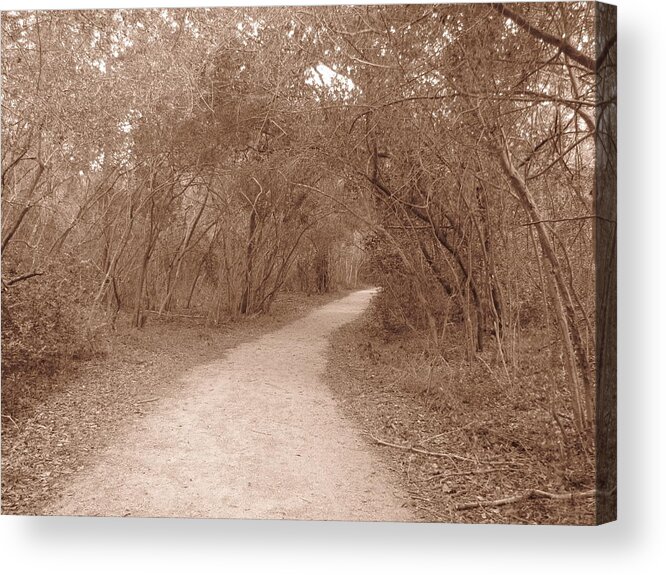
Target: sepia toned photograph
{"x":340,"y":263}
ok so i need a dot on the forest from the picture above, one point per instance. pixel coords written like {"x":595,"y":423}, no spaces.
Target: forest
{"x":162,"y":168}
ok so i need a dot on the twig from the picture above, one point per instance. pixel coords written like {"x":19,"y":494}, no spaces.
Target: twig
{"x":23,"y":277}
{"x":169,"y":314}
{"x":432,"y":512}
{"x":12,"y":420}
{"x":576,"y":219}
{"x":433,"y":437}
{"x":529,"y":494}
{"x":421,"y":451}
{"x":418,"y":497}
{"x":474,"y":472}
{"x":490,"y":371}
{"x":565,"y":416}
{"x":148,"y":400}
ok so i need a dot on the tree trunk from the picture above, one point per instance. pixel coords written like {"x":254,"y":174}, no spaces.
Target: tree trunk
{"x":246,"y":299}
{"x":179,"y":259}
{"x":568,"y":324}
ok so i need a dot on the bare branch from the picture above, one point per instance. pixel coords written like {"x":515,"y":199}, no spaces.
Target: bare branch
{"x":560,"y":43}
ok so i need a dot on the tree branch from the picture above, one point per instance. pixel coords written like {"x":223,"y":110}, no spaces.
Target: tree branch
{"x":24,"y":277}
{"x":421,"y":451}
{"x":560,"y":43}
{"x":556,"y":220}
{"x":529,"y":494}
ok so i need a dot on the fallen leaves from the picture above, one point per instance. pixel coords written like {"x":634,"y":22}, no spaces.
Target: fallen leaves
{"x":504,"y":438}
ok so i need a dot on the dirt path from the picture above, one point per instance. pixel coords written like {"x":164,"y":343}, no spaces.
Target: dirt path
{"x":256,"y":435}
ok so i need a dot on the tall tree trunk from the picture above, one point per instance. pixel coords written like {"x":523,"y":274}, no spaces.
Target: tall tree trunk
{"x":246,"y":299}
{"x":568,"y":323}
{"x":137,"y":316}
{"x":200,"y":267}
{"x":179,"y":258}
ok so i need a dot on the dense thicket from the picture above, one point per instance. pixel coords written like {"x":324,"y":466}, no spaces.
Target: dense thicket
{"x":160,"y":161}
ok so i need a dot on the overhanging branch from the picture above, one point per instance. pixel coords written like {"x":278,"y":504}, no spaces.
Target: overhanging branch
{"x":560,"y":43}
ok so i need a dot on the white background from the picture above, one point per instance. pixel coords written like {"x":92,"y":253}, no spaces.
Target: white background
{"x":634,"y":543}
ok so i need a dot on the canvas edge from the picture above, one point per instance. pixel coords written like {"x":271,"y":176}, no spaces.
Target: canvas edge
{"x":605,"y":201}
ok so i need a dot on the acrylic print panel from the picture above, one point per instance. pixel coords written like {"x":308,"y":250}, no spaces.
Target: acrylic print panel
{"x":334,"y":262}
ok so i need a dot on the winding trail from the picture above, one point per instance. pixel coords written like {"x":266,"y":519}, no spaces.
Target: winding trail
{"x":255,"y":435}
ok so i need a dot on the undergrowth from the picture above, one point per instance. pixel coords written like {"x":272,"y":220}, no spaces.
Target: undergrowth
{"x":62,"y":420}
{"x":505,"y":429}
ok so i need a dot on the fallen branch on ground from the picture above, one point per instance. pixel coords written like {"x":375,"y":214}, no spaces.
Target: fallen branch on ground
{"x":21,"y":278}
{"x":473,"y":472}
{"x":421,"y":451}
{"x":169,"y":314}
{"x":529,"y":494}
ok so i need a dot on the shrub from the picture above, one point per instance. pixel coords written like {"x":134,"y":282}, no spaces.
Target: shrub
{"x":44,"y":323}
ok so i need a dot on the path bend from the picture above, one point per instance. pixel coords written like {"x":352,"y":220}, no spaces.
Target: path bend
{"x":254,"y":435}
